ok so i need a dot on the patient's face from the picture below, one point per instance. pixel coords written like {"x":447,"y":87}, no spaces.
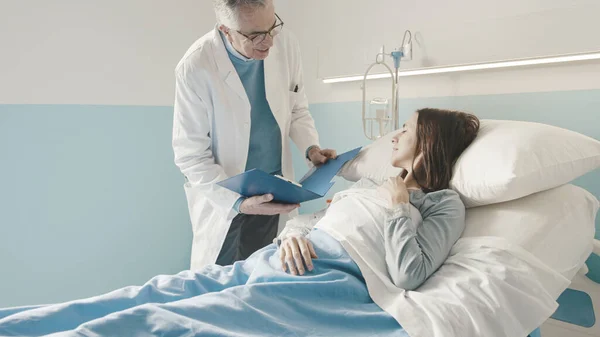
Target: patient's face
{"x":405,"y":144}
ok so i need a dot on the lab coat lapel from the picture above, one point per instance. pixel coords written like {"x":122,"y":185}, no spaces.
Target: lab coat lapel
{"x":273,"y":85}
{"x":227,"y":70}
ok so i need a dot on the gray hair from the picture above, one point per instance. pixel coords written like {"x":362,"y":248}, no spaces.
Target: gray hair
{"x":228,"y":11}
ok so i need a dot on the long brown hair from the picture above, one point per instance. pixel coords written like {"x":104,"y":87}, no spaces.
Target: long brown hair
{"x":442,"y":136}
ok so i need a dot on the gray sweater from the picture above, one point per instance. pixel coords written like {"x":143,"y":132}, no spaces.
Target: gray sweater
{"x":414,"y":252}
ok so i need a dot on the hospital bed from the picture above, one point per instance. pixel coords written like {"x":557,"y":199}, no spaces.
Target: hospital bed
{"x":565,"y":246}
{"x":547,"y":243}
{"x":583,"y":320}
{"x":558,"y":238}
{"x":536,"y":157}
{"x":581,"y":313}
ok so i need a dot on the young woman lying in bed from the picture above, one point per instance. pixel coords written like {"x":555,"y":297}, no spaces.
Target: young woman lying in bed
{"x":426,"y":148}
{"x":401,"y":230}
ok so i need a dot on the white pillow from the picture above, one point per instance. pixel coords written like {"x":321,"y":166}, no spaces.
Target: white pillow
{"x":557,"y":226}
{"x":508,"y":160}
{"x":372,"y":162}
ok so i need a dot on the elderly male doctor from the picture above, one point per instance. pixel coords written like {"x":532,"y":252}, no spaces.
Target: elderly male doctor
{"x":239,"y":96}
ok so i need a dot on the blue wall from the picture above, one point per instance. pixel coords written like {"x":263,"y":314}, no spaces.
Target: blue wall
{"x":90,"y":199}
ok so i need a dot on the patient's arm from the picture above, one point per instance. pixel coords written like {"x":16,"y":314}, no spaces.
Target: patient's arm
{"x":301,"y":225}
{"x":413,"y":254}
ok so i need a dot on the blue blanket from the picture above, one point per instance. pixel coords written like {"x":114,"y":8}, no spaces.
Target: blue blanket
{"x":250,"y":298}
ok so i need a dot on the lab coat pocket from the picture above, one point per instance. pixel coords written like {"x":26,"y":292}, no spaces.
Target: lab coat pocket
{"x":293,"y":100}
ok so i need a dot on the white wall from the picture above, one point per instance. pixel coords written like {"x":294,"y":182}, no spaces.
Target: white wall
{"x":341,"y":37}
{"x":124,"y":52}
{"x":96,"y":52}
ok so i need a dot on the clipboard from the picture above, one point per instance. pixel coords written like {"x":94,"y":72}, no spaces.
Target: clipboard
{"x":315,"y":183}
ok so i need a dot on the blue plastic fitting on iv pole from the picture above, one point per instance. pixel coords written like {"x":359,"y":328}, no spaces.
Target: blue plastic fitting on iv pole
{"x":397,"y":55}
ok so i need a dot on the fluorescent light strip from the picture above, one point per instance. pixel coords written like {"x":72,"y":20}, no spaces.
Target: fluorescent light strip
{"x":471,"y":67}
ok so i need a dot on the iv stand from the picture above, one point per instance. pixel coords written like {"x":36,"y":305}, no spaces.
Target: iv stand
{"x":380,"y":60}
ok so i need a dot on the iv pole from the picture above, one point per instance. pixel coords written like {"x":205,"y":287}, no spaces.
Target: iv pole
{"x":380,"y":60}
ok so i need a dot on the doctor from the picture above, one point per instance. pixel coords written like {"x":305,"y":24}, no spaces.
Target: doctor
{"x":239,"y":96}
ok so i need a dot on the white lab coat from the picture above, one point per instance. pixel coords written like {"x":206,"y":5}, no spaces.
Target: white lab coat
{"x":211,"y":129}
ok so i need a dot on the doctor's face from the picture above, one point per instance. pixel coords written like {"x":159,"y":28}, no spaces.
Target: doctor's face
{"x":256,"y":30}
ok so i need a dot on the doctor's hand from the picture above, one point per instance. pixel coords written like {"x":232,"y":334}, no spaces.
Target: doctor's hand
{"x":295,"y":252}
{"x":318,"y":156}
{"x":262,"y":205}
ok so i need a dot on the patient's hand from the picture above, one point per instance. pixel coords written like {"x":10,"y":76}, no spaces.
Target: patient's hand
{"x":394,"y":189}
{"x":296,"y":251}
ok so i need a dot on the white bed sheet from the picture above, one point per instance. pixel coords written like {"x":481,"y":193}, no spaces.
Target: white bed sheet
{"x":488,"y":286}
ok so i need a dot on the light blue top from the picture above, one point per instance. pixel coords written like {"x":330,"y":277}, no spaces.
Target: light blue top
{"x":265,"y":136}
{"x":265,"y":149}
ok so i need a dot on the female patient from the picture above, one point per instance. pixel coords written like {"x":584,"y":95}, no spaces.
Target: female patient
{"x":426,"y":148}
{"x":404,"y":227}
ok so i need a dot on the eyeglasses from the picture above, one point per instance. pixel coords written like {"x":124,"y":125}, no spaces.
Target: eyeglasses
{"x":258,"y":38}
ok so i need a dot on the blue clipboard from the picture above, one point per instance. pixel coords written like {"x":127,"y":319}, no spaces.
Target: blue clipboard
{"x":315,"y":184}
